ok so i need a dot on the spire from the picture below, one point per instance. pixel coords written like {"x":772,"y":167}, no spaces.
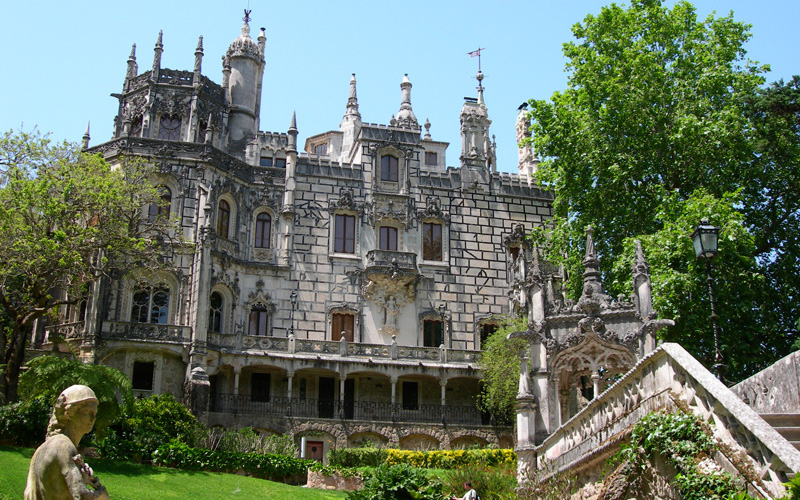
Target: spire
{"x":427,"y":129}
{"x":292,"y":146}
{"x":352,"y":100}
{"x":133,"y":68}
{"x":198,"y":60}
{"x":86,"y":137}
{"x":159,"y":48}
{"x":405,"y":117}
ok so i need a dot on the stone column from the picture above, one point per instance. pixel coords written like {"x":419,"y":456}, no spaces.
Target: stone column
{"x":394,"y":395}
{"x":443,"y":385}
{"x":596,"y":383}
{"x":236,"y":372}
{"x":557,"y":395}
{"x":289,"y":379}
{"x":342,"y":379}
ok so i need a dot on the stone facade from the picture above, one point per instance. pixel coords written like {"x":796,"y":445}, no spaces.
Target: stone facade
{"x":341,"y":291}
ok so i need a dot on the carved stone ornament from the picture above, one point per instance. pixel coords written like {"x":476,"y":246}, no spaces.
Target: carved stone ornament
{"x":398,"y":210}
{"x":173,"y":103}
{"x":433,"y":210}
{"x":345,"y":201}
{"x":517,"y":236}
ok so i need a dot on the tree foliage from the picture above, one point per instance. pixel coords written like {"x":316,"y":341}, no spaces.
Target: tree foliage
{"x":664,"y":123}
{"x":66,"y":218}
{"x":500,"y":365}
{"x":48,"y":376}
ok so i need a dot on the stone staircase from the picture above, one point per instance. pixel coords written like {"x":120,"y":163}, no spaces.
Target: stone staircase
{"x":787,"y":425}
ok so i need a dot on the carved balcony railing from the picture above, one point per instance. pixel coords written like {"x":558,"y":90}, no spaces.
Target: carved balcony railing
{"x":120,"y":330}
{"x":65,"y":331}
{"x":373,"y":411}
{"x":344,"y":349}
{"x":669,"y":378}
{"x":391,"y":261}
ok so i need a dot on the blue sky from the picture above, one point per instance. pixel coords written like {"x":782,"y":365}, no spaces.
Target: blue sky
{"x":61,"y":60}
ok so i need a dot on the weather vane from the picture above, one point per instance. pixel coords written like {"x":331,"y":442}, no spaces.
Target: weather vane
{"x":247,"y":17}
{"x":477,"y":53}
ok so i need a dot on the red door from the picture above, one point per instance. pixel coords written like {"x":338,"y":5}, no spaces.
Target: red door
{"x":314,"y":450}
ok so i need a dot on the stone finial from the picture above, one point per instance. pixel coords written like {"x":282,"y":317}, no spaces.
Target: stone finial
{"x":591,"y":264}
{"x":352,"y":100}
{"x":133,"y":68}
{"x":86,"y":137}
{"x":427,"y":129}
{"x":479,"y":77}
{"x":158,"y":49}
{"x":198,"y":60}
{"x":406,"y":117}
{"x":640,"y":265}
{"x":292,"y":132}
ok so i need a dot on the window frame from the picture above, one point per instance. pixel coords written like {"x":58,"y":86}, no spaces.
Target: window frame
{"x":135,"y":378}
{"x":336,"y":333}
{"x":428,"y":323}
{"x":340,"y":242}
{"x":390,"y":168}
{"x":263,"y":239}
{"x":161,"y":208}
{"x":262,"y":328}
{"x":167,"y":129}
{"x":137,"y":309}
{"x":388,"y":238}
{"x":426,"y":247}
{"x":431,"y":155}
{"x":216,"y":315}
{"x":223,"y":218}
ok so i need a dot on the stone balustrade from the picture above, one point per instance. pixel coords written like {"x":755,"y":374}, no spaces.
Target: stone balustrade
{"x":404,"y":261}
{"x":123,"y":330}
{"x":774,"y":390}
{"x":668,"y":379}
{"x":66,"y":331}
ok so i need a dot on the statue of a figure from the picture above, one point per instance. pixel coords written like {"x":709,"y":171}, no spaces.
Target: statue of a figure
{"x":57,"y":471}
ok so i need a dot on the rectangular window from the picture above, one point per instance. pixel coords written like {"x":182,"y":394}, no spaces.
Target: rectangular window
{"x":345,"y":234}
{"x":431,"y":158}
{"x":259,"y":387}
{"x":280,"y":162}
{"x":259,"y":322}
{"x":266,"y":162}
{"x":389,"y":171}
{"x":342,"y":324}
{"x":431,"y":241}
{"x":432,"y":333}
{"x":388,"y":238}
{"x":410,"y":396}
{"x":486,"y":330}
{"x":143,"y":376}
{"x":321,"y":149}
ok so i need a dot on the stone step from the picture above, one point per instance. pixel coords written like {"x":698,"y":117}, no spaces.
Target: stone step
{"x":782,"y":419}
{"x":790,"y":433}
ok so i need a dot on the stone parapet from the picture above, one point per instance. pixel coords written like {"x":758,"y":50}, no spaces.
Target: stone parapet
{"x":774,"y":390}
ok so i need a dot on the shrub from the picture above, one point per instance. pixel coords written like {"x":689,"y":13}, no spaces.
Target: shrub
{"x":357,"y":457}
{"x":398,"y":482}
{"x":491,"y":483}
{"x":265,"y":466}
{"x":25,"y":423}
{"x":152,"y":422}
{"x":246,"y":440}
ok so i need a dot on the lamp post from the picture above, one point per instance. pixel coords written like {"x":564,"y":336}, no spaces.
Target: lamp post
{"x":443,"y":314}
{"x":293,"y":300}
{"x":706,"y":245}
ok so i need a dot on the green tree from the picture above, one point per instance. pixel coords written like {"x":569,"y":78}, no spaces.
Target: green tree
{"x":500,"y":365}
{"x":48,"y":376}
{"x":654,"y":132}
{"x":66,"y":219}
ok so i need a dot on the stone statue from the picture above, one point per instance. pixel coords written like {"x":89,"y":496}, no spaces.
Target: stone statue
{"x":57,"y":471}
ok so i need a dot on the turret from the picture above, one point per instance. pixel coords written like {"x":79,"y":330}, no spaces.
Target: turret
{"x":405,"y":117}
{"x":476,"y":147}
{"x":86,"y":138}
{"x":244,"y":61}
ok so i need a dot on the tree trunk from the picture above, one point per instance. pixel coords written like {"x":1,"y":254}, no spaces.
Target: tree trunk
{"x":15,"y":356}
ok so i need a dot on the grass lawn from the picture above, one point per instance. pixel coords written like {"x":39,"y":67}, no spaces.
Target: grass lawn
{"x":141,"y":482}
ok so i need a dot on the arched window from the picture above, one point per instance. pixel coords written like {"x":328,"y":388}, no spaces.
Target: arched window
{"x":170,"y":128}
{"x":223,"y":218}
{"x":215,"y":312}
{"x":389,"y":171}
{"x":259,"y":321}
{"x":150,"y":304}
{"x":162,"y":207}
{"x":263,"y":230}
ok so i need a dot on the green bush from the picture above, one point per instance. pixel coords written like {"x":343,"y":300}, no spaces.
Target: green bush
{"x":491,"y":483}
{"x":434,"y":459}
{"x":246,"y":440}
{"x":25,"y":423}
{"x":152,"y":422}
{"x":357,"y":457}
{"x":266,"y":466}
{"x":398,"y":482}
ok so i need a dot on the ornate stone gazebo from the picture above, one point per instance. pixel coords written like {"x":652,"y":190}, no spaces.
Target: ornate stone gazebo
{"x":577,"y":349}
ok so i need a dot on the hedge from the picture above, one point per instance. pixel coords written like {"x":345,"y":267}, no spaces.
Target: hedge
{"x":435,"y":459}
{"x":265,"y":466}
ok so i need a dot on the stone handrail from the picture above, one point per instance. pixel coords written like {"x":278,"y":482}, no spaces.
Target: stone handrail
{"x":67,"y":331}
{"x":667,"y":379}
{"x":123,"y":330}
{"x":774,"y":390}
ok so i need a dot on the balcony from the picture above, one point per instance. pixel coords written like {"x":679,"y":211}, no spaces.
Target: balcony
{"x":123,"y":330}
{"x":330,"y":409}
{"x":385,"y":260}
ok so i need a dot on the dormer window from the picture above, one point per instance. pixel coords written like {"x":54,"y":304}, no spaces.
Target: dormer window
{"x":389,"y":168}
{"x":321,"y":149}
{"x":170,"y":128}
